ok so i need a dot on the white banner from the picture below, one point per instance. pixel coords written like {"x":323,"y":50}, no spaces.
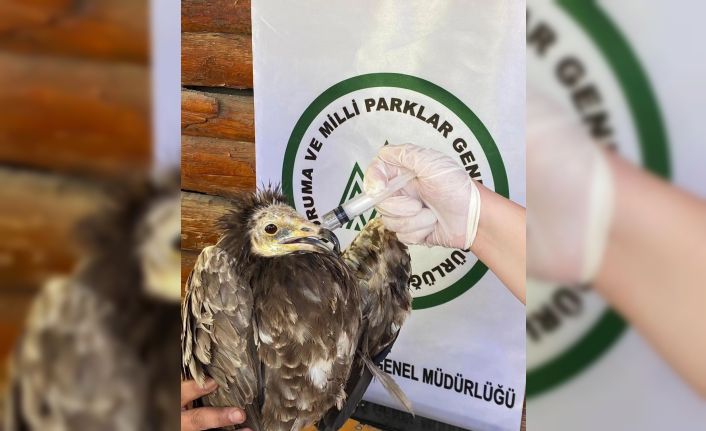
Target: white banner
{"x":335,"y":81}
{"x":621,"y":75}
{"x":165,"y":67}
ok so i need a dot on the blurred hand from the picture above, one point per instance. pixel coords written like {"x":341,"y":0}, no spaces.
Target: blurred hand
{"x":204,"y":418}
{"x":441,"y":206}
{"x":569,"y":195}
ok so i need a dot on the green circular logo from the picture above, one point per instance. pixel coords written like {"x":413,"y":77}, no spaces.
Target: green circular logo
{"x":304,"y":144}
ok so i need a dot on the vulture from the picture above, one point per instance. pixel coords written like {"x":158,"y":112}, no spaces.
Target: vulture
{"x":287,"y":325}
{"x":99,"y":347}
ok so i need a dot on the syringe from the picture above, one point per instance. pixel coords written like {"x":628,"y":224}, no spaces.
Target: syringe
{"x":347,"y":211}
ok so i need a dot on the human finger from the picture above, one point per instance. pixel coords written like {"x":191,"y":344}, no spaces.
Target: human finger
{"x":191,"y":390}
{"x":204,"y":418}
{"x":424,"y":219}
{"x":416,"y":237}
{"x":399,"y":206}
{"x":377,"y":176}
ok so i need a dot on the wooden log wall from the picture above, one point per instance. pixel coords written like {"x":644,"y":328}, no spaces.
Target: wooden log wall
{"x":218,"y":130}
{"x":74,"y":110}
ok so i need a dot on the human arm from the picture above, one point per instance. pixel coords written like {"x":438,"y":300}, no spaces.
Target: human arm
{"x":654,"y":267}
{"x":594,"y":218}
{"x":500,"y":240}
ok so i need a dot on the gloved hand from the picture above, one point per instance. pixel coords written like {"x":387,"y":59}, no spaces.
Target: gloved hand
{"x":440,"y":206}
{"x":569,"y":195}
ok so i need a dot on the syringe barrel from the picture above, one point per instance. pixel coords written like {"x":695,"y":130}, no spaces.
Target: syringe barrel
{"x":332,"y":219}
{"x":358,"y":205}
{"x":363,"y":202}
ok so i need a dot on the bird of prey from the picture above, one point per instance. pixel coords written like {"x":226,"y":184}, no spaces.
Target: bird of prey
{"x":98,"y":349}
{"x":279,"y":318}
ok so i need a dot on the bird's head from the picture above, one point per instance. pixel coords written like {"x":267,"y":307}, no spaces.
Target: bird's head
{"x":159,"y":248}
{"x":272,"y":228}
{"x":132,"y":244}
{"x":278,"y":230}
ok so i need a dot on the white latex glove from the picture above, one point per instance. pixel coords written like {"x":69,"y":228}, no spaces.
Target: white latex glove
{"x":440,"y":206}
{"x":569,"y":195}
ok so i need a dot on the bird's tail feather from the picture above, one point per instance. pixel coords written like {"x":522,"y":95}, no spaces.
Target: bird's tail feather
{"x":389,"y":384}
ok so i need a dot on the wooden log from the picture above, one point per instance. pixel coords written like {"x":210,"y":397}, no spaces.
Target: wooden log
{"x":14,"y":306}
{"x":221,"y":16}
{"x":38,"y":215}
{"x":199,"y":214}
{"x":217,"y":166}
{"x":218,"y":115}
{"x":115,"y":30}
{"x":74,"y":115}
{"x":216,"y":60}
{"x":188,"y":260}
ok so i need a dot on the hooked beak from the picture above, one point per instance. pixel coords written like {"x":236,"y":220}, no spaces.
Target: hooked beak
{"x":321,"y":239}
{"x":331,"y":238}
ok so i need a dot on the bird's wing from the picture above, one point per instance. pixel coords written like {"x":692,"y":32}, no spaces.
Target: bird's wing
{"x":382,"y":266}
{"x":217,"y":330}
{"x":381,"y":263}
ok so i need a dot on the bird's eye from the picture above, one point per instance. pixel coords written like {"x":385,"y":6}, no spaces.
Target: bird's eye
{"x":271,"y":229}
